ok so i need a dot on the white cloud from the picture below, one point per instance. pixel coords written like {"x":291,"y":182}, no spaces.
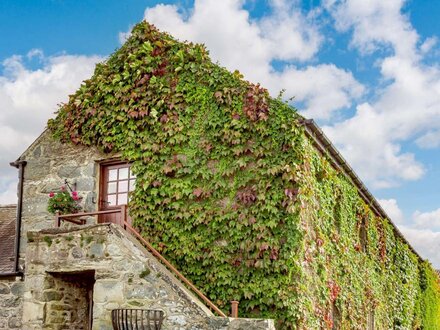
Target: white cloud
{"x":407,"y":103}
{"x":123,"y":36}
{"x":428,"y":44}
{"x":430,"y":139}
{"x":323,"y":88}
{"x":286,"y":34}
{"x":375,"y":23}
{"x":392,"y":209}
{"x":427,"y":219}
{"x":8,"y":191}
{"x":28,"y":98}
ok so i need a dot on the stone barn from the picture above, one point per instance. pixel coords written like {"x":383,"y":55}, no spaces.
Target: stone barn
{"x":195,"y":188}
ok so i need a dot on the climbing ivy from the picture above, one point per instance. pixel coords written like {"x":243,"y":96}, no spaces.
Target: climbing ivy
{"x":231,"y":190}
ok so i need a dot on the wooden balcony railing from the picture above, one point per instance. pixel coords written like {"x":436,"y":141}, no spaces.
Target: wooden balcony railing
{"x":120,"y":217}
{"x":117,"y":216}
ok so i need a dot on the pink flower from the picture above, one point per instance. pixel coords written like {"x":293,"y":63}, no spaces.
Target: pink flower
{"x":74,"y":193}
{"x":75,"y":197}
{"x":51,"y":194}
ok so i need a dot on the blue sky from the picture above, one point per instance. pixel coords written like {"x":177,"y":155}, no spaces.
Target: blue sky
{"x":367,"y":71}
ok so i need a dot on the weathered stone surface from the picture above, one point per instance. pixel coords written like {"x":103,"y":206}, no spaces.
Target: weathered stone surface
{"x":11,"y":298}
{"x":10,"y":302}
{"x":4,"y":313}
{"x":4,"y":289}
{"x":85,"y":184}
{"x":49,"y":163}
{"x":52,"y":295}
{"x":69,"y":171}
{"x":63,"y":283}
{"x":108,"y":291}
{"x":17,"y":288}
{"x":142,"y":291}
{"x":32,"y":313}
{"x":114,"y":257}
{"x":14,"y":323}
{"x":177,"y":320}
{"x":97,"y":250}
{"x":77,"y":252}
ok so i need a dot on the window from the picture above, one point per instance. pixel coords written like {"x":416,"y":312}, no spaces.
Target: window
{"x":117,"y":181}
{"x":363,"y":235}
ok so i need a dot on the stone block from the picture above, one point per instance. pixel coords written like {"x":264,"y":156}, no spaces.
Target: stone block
{"x":14,"y":323}
{"x":52,"y":295}
{"x":67,"y":171}
{"x":4,"y":313}
{"x":36,"y":170}
{"x":177,"y":320}
{"x":122,"y":265}
{"x":96,"y":249}
{"x":77,"y":253}
{"x":35,"y":282}
{"x":32,"y":311}
{"x":106,"y":275}
{"x":108,"y":291}
{"x":114,"y":250}
{"x":88,"y":170}
{"x":10,"y":302}
{"x":17,"y":288}
{"x":141,"y":292}
{"x":85,"y":184}
{"x":4,"y":289}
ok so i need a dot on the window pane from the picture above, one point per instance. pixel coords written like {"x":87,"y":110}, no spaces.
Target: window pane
{"x":112,"y":175}
{"x":132,"y":184}
{"x":123,"y":173}
{"x":122,"y":186}
{"x":122,"y":199}
{"x":132,"y":175}
{"x":111,"y":187}
{"x":111,"y":199}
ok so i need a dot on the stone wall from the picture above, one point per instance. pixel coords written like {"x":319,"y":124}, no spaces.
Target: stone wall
{"x":11,"y":288}
{"x":11,"y":292}
{"x":49,"y":164}
{"x":125,"y":275}
{"x":56,"y":295}
{"x":68,"y":299}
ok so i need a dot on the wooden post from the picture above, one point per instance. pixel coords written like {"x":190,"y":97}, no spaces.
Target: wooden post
{"x":234,"y":308}
{"x":123,"y":215}
{"x":57,"y":219}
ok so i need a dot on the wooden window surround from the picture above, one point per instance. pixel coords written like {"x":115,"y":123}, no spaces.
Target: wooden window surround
{"x":116,"y":181}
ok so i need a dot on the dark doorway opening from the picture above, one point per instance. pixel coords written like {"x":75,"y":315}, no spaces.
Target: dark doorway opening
{"x":69,"y":300}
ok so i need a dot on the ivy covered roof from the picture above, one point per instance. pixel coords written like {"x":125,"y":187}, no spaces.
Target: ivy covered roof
{"x":147,"y":80}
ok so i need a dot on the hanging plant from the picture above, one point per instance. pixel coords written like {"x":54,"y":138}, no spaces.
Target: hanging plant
{"x":64,"y":202}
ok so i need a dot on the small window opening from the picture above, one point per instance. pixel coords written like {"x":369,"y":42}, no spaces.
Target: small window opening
{"x":363,"y":235}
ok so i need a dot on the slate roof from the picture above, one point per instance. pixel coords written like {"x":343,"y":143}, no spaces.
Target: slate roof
{"x":8,"y":214}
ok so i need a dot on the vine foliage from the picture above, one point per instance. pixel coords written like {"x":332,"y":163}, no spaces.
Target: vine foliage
{"x":233,"y":193}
